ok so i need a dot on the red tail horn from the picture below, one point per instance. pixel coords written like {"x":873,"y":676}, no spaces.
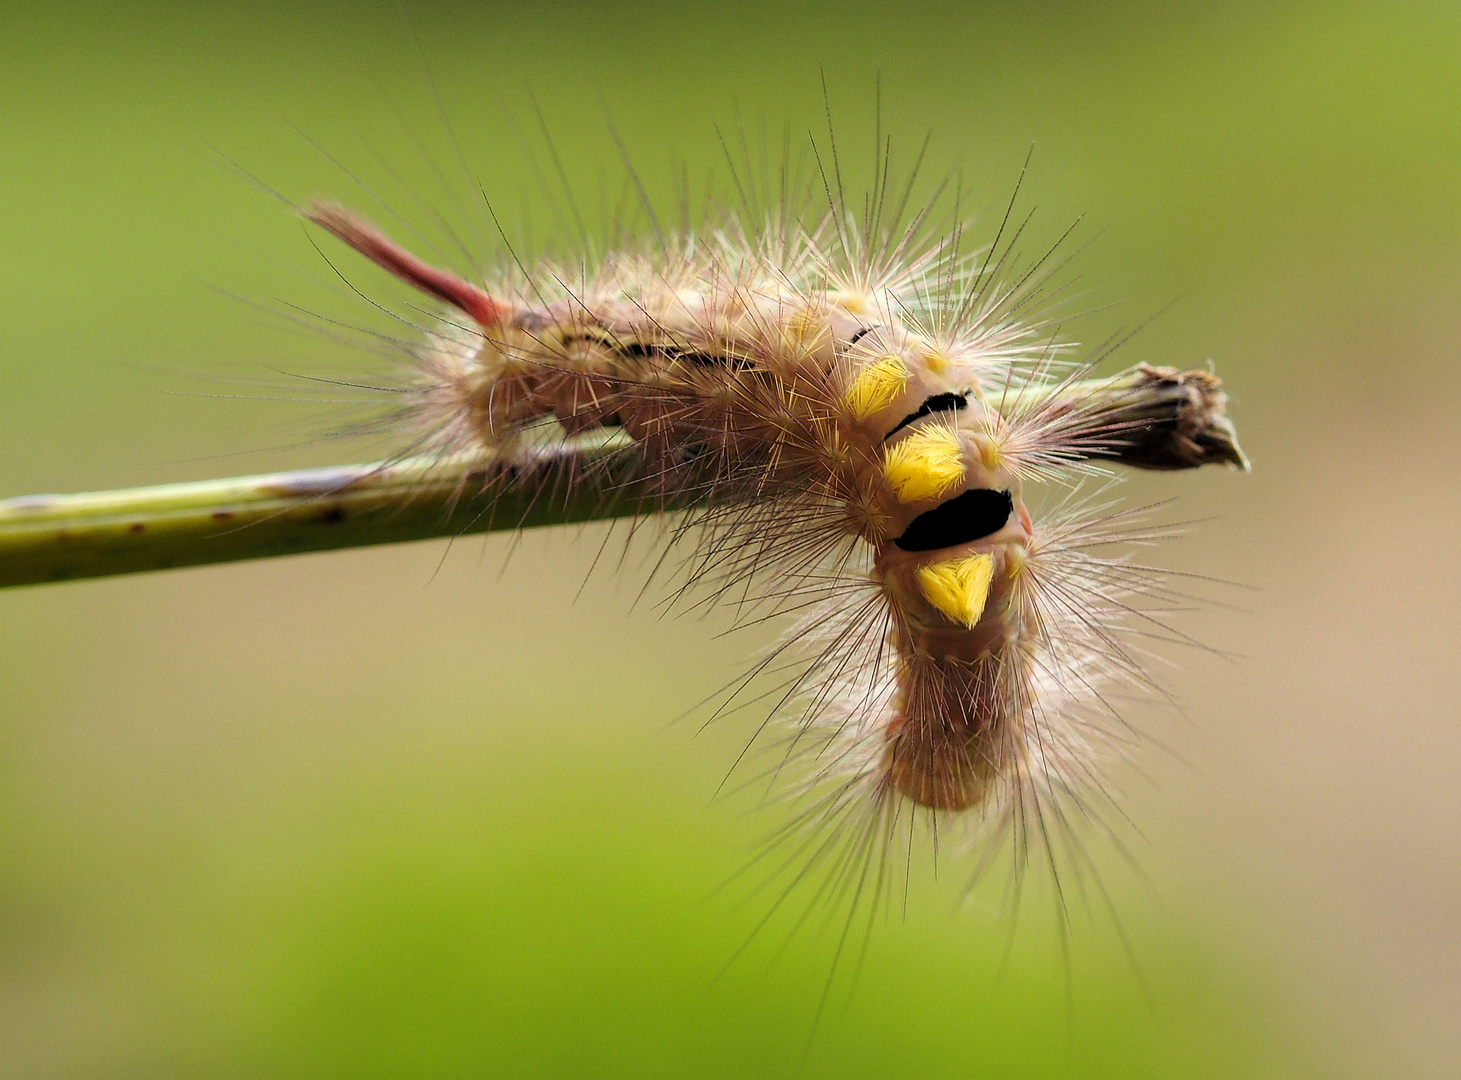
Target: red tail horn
{"x":385,"y":252}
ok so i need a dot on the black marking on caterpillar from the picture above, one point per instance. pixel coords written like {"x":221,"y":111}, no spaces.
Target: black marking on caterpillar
{"x":963,"y":519}
{"x":949,"y":402}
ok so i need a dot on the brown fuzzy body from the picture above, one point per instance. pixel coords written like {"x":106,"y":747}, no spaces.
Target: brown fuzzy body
{"x":958,"y":725}
{"x":832,"y":425}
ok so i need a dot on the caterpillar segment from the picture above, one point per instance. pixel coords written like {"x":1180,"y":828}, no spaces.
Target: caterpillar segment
{"x":774,"y":383}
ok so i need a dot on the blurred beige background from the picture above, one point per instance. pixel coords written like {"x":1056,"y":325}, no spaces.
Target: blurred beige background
{"x":388,"y":813}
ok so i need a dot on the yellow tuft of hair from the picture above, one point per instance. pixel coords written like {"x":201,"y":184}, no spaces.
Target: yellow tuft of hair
{"x":924,"y":465}
{"x":936,"y":360}
{"x":958,"y":588}
{"x":876,"y":387}
{"x":991,"y":451}
{"x":806,"y":327}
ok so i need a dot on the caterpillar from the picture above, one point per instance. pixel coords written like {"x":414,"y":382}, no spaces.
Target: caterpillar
{"x":856,"y":415}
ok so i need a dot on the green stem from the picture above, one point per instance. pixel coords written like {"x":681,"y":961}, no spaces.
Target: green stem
{"x":63,"y":537}
{"x":97,"y":534}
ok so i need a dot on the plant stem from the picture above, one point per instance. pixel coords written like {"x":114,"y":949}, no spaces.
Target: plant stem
{"x":97,"y":534}
{"x":46,"y":538}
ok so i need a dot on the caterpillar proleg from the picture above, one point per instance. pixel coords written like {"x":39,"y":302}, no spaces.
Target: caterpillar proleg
{"x":857,"y":414}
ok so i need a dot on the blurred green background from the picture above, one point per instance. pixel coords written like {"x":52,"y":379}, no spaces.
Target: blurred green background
{"x":417,"y":812}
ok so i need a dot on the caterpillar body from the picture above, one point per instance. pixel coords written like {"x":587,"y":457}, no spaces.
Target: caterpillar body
{"x":858,"y":422}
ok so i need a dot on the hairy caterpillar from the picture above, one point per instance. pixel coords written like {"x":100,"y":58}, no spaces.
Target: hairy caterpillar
{"x":856,"y":414}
